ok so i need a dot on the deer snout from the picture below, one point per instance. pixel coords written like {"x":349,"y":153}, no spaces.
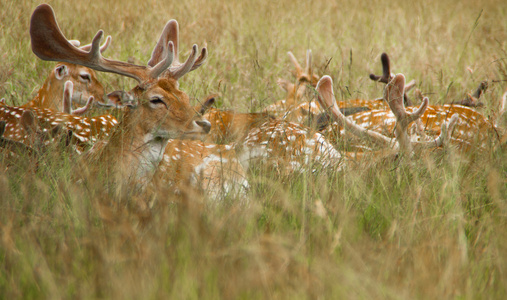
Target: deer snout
{"x":205,"y":125}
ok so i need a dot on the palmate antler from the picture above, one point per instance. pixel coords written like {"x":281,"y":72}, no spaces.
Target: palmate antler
{"x":48,"y":43}
{"x":393,"y":95}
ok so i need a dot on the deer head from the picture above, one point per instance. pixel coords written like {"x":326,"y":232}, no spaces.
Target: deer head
{"x":162,"y":110}
{"x":84,"y":80}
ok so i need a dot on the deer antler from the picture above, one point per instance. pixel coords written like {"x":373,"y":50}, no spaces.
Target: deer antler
{"x":67,"y":101}
{"x":103,"y":48}
{"x":386,"y":70}
{"x":393,"y":96}
{"x":171,"y":34}
{"x":306,"y":75}
{"x":387,"y":76}
{"x":49,"y":43}
{"x":327,"y":99}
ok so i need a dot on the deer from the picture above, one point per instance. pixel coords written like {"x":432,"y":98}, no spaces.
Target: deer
{"x":394,"y":92}
{"x":289,"y":147}
{"x":136,"y":145}
{"x":214,"y":169}
{"x":295,"y":91}
{"x":294,"y":109}
{"x":229,"y":126}
{"x":471,"y":128}
{"x":84,"y":81}
{"x":86,"y":130}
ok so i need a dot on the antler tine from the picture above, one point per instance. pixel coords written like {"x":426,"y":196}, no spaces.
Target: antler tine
{"x":201,"y":59}
{"x":67,"y":100}
{"x":309,"y":63}
{"x":326,"y":98}
{"x":445,"y":133}
{"x":393,"y":95}
{"x":409,"y":85}
{"x":88,"y":47}
{"x":299,"y":70}
{"x":386,"y":70}
{"x":85,"y":108}
{"x":483,"y":86}
{"x":67,"y":95}
{"x":177,"y":72}
{"x":163,"y":65}
{"x":49,"y":43}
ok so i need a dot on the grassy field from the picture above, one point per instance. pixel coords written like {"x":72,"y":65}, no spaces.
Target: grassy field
{"x":433,"y":227}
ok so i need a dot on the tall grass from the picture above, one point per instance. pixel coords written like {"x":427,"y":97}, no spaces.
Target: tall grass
{"x":430,"y":228}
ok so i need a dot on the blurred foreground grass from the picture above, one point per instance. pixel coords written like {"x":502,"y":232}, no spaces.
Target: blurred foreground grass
{"x":431,"y":228}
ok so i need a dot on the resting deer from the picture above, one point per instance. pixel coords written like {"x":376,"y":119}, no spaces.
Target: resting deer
{"x":214,"y":169}
{"x":137,"y":144}
{"x":288,"y":146}
{"x":86,"y":130}
{"x":289,"y":106}
{"x":394,"y":96}
{"x":293,"y":108}
{"x":471,"y":128}
{"x":84,"y":80}
{"x":227,"y":125}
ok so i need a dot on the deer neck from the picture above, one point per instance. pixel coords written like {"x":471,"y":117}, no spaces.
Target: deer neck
{"x":45,"y":95}
{"x":138,"y":152}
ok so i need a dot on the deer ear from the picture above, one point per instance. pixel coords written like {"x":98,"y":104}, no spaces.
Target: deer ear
{"x":206,"y":105}
{"x":61,"y":71}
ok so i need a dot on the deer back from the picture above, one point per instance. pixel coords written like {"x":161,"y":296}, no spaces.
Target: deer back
{"x":214,"y":169}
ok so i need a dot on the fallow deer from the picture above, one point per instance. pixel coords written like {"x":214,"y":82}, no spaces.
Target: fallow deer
{"x":136,"y":146}
{"x":471,"y":128}
{"x":212,"y":168}
{"x":394,"y":97}
{"x":227,"y":125}
{"x":288,"y":108}
{"x":295,"y":109}
{"x":84,"y":81}
{"x":289,"y":147}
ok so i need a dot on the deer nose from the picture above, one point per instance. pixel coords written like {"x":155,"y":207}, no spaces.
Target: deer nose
{"x":206,"y":125}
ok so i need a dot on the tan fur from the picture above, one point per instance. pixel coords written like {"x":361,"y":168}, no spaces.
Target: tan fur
{"x":50,"y":95}
{"x":229,"y":126}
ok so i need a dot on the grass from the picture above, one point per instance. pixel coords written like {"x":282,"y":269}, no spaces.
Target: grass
{"x":429,"y":228}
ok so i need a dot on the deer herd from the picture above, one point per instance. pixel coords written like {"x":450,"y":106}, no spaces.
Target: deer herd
{"x":159,"y":137}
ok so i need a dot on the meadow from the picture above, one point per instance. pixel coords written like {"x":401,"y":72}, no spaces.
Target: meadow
{"x":429,"y":227}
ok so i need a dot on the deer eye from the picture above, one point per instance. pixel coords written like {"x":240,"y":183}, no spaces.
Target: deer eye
{"x":85,"y":77}
{"x":157,"y":101}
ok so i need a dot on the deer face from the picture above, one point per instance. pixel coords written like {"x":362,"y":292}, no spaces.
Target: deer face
{"x":165,"y":112}
{"x":85,"y":83}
